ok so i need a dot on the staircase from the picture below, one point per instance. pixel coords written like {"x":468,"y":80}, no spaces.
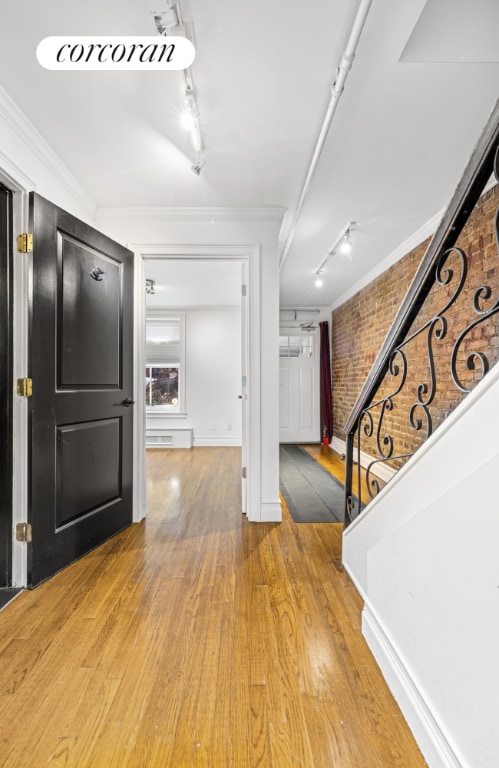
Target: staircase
{"x":424,"y":553}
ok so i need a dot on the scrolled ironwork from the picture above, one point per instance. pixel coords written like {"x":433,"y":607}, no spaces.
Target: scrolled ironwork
{"x":443,"y":270}
{"x":481,"y":294}
{"x":384,"y":443}
{"x":367,"y":428}
{"x":417,"y":423}
{"x":451,"y":273}
{"x":440,"y":269}
{"x":351,"y":507}
{"x":419,"y":417}
{"x":372,"y":481}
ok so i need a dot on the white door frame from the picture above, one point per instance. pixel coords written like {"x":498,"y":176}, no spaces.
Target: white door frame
{"x":239,"y":253}
{"x":19,"y":186}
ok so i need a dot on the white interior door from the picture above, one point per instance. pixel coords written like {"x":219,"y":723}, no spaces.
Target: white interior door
{"x":299,"y":405}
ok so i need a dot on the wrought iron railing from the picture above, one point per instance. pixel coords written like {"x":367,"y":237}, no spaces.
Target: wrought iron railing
{"x":443,"y":312}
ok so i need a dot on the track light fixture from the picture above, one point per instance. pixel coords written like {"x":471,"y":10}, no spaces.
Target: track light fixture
{"x":167,"y":20}
{"x":190,"y":120}
{"x":170,"y":22}
{"x":198,"y":166}
{"x":346,"y":245}
{"x":319,"y":282}
{"x":342,"y":244}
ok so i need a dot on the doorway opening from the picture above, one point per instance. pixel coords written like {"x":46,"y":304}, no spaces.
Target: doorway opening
{"x":193,"y":355}
{"x":248,"y":258}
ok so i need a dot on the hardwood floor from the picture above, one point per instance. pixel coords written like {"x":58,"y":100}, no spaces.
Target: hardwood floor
{"x":335,"y":464}
{"x":197,"y":639}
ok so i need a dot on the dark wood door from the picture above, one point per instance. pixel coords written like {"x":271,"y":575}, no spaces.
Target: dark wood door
{"x":81,"y":410}
{"x":5,"y":386}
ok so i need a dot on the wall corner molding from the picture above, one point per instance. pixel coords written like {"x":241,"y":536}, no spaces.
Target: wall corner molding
{"x":211,"y":214}
{"x":426,"y":230}
{"x":432,"y":742}
{"x":22,"y":127}
{"x":419,"y":236}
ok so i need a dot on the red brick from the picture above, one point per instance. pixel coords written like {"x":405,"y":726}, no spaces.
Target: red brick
{"x":360,"y":325}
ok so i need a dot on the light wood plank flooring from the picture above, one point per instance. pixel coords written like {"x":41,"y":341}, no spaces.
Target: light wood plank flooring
{"x":197,"y":639}
{"x":335,"y":464}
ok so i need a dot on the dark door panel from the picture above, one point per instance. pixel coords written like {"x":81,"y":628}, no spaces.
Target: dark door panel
{"x":81,"y":352}
{"x":89,"y":317}
{"x":88,"y":469}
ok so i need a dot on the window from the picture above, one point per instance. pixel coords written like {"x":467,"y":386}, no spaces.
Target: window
{"x":162,"y":386}
{"x":165,"y":362}
{"x":296,"y":346}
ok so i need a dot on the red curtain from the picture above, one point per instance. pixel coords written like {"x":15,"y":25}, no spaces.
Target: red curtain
{"x":325,"y":378}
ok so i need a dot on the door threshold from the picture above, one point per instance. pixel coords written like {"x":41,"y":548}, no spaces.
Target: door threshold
{"x":7,"y":594}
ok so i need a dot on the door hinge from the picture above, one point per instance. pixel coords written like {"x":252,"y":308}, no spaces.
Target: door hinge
{"x":244,"y":287}
{"x":244,"y":473}
{"x":24,"y":532}
{"x":24,"y":387}
{"x":25,"y":243}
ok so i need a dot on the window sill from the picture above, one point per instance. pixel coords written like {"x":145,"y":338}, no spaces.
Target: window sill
{"x":157,"y":413}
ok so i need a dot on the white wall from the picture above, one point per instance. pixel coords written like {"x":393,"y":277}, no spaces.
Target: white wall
{"x":425,"y":557}
{"x":213,"y":376}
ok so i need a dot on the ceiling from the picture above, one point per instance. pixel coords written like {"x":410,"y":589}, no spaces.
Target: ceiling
{"x":420,"y":90}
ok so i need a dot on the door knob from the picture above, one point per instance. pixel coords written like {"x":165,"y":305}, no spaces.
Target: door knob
{"x":127,"y":402}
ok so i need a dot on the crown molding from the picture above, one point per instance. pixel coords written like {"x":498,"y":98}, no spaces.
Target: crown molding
{"x":17,"y":121}
{"x":408,"y":245}
{"x":13,"y":176}
{"x":210,"y":214}
{"x":426,"y":230}
{"x":162,"y":311}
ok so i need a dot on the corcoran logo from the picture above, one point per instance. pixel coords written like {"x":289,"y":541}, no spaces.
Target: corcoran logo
{"x":111,"y":53}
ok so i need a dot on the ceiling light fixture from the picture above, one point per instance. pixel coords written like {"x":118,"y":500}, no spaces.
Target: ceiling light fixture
{"x":346,"y":245}
{"x":198,"y":166}
{"x":342,"y":244}
{"x":171,"y":22}
{"x":319,"y":282}
{"x":168,"y":20}
{"x":190,"y":120}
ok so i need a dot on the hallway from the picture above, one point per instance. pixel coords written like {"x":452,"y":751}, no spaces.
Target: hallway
{"x":197,"y":639}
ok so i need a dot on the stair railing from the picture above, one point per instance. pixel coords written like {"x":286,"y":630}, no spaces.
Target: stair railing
{"x":444,"y":267}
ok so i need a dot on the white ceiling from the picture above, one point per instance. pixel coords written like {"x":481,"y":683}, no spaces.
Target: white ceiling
{"x":401,"y":136}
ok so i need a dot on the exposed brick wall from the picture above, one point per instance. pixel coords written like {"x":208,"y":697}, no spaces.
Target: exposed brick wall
{"x":360,"y":325}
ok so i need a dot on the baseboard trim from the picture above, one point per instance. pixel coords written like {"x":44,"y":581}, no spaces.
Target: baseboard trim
{"x":338,"y":445}
{"x":270,"y":512}
{"x":432,"y":742}
{"x":381,"y":470}
{"x":210,"y":442}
